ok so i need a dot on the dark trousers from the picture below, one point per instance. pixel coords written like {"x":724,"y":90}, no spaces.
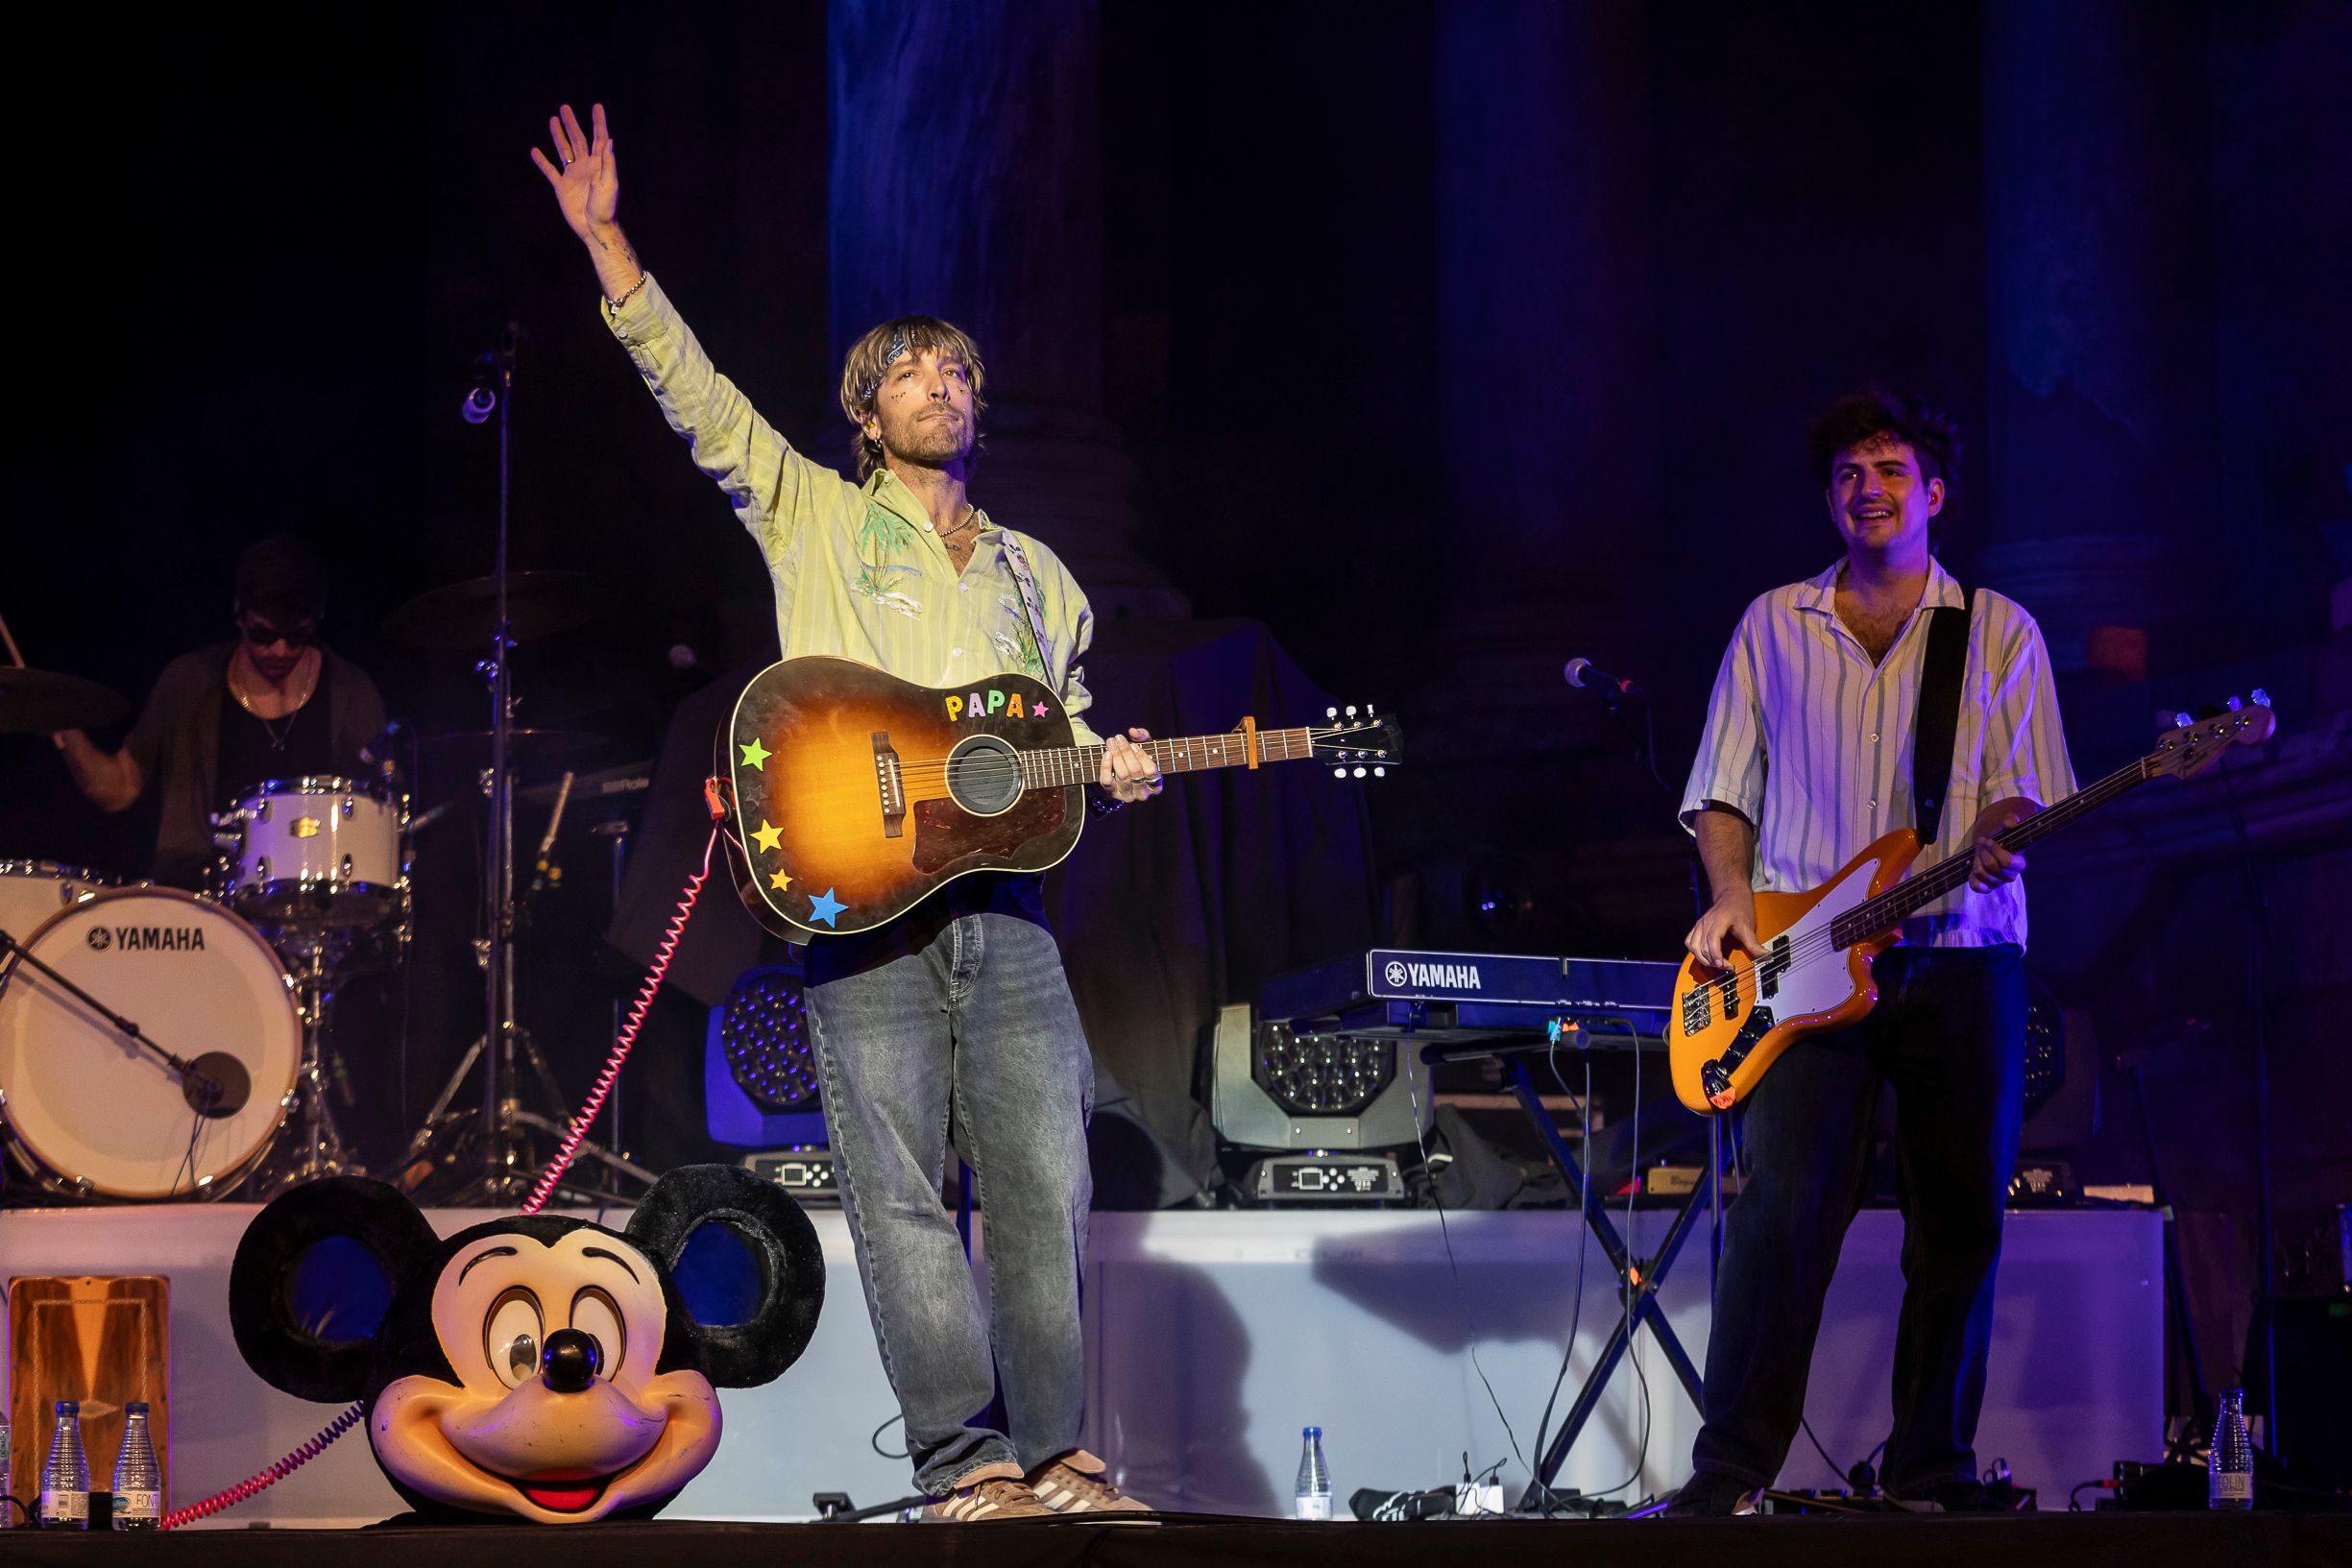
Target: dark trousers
{"x":1947,"y":1036}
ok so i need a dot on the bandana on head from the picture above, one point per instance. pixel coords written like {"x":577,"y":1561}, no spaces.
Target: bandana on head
{"x":889,"y":357}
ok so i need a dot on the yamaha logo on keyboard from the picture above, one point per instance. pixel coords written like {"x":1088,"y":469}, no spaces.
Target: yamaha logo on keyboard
{"x":1450,"y":976}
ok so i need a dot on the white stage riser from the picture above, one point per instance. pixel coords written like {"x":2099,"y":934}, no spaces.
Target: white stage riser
{"x":1213,"y":1337}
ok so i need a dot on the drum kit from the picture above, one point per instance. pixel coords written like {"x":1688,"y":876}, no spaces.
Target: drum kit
{"x":160,"y":1044}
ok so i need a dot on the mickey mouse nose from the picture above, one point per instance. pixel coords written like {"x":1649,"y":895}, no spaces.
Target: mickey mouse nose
{"x":570,"y":1361}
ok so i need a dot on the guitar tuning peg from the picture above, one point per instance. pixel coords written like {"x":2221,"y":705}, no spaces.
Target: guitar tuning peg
{"x":2183,"y":719}
{"x":1338,"y":773}
{"x":1331,"y":713}
{"x":1380,"y":773}
{"x":2262,"y":698}
{"x":1351,"y":710}
{"x":2236,"y":705}
{"x":1359,"y":773}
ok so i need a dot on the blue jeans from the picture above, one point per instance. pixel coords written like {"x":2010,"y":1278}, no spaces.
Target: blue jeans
{"x":958,"y":1014}
{"x":1948,"y":1037}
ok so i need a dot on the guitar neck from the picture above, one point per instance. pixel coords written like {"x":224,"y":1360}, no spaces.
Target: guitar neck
{"x":1906,"y":898}
{"x":1055,"y":765}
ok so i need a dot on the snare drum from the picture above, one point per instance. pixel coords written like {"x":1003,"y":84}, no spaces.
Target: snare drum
{"x":90,"y":1112}
{"x":31,"y":891}
{"x":318,"y":851}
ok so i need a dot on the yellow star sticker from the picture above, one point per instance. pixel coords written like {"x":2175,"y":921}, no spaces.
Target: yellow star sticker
{"x":756,"y":754}
{"x":768,"y":837}
{"x":779,"y":880}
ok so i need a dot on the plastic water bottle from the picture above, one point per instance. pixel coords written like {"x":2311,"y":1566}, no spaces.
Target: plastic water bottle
{"x":1314,"y":1476}
{"x":138,"y":1480}
{"x":65,"y":1480}
{"x":2229,"y":1469}
{"x":4,"y":1490}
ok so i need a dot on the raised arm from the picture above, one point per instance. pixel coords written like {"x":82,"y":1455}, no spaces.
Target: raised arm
{"x":772,"y":488}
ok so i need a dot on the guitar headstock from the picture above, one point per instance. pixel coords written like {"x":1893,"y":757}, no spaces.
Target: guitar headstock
{"x":2194,"y":744}
{"x":1358,"y":742}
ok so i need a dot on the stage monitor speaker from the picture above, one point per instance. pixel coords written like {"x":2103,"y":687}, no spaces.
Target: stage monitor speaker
{"x":1270,"y":1089}
{"x":103,"y":1339}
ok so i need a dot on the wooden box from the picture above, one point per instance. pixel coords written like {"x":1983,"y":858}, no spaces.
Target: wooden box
{"x":103,"y":1339}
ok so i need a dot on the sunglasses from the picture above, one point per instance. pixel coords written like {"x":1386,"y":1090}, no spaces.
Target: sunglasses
{"x":262,"y":634}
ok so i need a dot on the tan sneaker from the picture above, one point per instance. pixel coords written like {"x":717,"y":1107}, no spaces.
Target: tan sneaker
{"x":1076,"y":1484}
{"x":991,"y":1498}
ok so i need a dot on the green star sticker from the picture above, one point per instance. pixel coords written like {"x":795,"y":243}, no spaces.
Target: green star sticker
{"x":756,"y":754}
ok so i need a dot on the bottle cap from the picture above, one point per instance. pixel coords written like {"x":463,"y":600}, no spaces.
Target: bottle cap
{"x":69,"y":1407}
{"x":137,"y":1407}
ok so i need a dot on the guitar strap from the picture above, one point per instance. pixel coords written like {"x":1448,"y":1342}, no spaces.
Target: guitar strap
{"x":1026,"y":581}
{"x":1939,"y":715}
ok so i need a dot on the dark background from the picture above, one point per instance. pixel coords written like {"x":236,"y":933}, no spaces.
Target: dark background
{"x":1447,"y":341}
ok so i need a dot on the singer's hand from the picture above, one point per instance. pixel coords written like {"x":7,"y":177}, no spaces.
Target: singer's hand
{"x":584,"y":175}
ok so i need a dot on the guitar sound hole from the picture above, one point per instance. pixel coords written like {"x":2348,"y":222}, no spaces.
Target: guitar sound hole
{"x":984,"y":775}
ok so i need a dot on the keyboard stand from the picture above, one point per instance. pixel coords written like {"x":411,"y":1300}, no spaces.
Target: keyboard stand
{"x":1639,"y":1279}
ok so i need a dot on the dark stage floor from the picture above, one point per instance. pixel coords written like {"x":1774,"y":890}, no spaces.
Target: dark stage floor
{"x":2061,"y":1540}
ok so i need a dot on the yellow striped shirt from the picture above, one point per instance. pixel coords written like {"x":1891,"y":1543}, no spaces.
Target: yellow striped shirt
{"x":856,"y":568}
{"x":1812,"y":741}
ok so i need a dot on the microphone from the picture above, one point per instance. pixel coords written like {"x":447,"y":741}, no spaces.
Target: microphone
{"x":418,"y":824}
{"x":482,"y":397}
{"x":1586,"y":676}
{"x":377,"y":753}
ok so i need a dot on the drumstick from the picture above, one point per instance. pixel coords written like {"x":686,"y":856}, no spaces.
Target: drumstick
{"x":555,"y":818}
{"x":14,"y":657}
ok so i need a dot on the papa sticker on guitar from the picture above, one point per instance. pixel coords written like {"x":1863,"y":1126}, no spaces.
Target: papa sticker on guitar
{"x":1729,"y":1026}
{"x":856,"y":794}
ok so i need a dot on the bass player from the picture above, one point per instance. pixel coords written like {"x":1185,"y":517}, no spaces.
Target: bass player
{"x":1807,"y":756}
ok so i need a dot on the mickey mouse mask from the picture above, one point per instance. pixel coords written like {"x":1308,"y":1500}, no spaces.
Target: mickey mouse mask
{"x":546,"y":1368}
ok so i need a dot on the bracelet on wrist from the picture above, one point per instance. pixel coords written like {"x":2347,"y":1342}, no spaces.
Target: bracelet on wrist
{"x":630,"y":293}
{"x":1103,"y":806}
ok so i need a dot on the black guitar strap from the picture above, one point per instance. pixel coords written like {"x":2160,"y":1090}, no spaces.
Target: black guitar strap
{"x":1939,"y":715}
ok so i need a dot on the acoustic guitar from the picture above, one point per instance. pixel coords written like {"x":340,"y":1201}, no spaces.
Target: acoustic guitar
{"x":1729,"y":1026}
{"x":855,"y":795}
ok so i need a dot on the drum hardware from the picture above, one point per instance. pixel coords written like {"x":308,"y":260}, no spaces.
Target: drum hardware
{"x":320,"y":1152}
{"x":96,"y":1108}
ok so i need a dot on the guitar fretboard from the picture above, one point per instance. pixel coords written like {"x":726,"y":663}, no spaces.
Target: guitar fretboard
{"x":1906,"y":898}
{"x":1056,"y":766}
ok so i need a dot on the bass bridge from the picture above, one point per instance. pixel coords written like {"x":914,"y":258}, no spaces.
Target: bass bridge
{"x":1716,"y":1077}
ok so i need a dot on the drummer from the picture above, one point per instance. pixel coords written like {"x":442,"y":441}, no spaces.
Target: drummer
{"x":274,"y":704}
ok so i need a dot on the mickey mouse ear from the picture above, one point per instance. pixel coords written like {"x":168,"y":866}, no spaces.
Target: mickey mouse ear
{"x":753,"y":1304}
{"x":313,"y":1277}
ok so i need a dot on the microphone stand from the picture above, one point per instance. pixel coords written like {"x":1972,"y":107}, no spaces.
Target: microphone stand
{"x":208,"y":1090}
{"x":500,"y":1176}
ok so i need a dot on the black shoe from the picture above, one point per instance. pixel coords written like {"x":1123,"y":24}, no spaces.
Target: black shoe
{"x":1959,"y":1497}
{"x":1710,"y":1494}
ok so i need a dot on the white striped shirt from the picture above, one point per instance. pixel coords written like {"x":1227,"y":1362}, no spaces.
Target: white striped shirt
{"x":1812,"y":741}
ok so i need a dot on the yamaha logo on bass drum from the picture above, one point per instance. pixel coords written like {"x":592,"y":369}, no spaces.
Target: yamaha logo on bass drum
{"x":147,"y":938}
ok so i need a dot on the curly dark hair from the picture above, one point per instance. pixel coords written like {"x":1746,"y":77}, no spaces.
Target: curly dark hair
{"x":1878,"y":411}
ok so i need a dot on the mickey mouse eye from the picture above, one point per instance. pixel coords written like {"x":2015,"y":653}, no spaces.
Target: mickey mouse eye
{"x":596,"y":1315}
{"x":512,"y":1337}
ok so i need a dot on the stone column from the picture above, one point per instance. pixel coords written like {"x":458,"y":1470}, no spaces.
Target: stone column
{"x":2101,"y":314}
{"x":966,"y":182}
{"x":1548,"y":348}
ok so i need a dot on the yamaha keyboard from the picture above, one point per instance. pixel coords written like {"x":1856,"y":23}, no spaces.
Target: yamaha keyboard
{"x":1458,"y":997}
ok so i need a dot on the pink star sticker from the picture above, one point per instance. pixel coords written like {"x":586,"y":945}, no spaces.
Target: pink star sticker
{"x":1038,"y":710}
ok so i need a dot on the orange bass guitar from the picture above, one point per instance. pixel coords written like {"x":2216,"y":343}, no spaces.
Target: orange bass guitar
{"x":1729,"y":1026}
{"x":855,"y":795}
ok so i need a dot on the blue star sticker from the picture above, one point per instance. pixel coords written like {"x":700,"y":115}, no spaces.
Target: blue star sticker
{"x":826,"y":907}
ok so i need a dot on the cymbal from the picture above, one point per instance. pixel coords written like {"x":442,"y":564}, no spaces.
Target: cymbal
{"x":457,"y":617}
{"x":534,"y":751}
{"x":38,"y":701}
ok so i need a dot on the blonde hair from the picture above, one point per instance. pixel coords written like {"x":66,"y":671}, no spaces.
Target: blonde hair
{"x":880,"y":349}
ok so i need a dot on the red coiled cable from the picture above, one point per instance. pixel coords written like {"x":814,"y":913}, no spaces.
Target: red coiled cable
{"x":262,"y":1481}
{"x":662,"y":952}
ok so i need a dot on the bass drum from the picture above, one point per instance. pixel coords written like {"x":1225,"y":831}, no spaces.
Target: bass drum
{"x":89,"y":1112}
